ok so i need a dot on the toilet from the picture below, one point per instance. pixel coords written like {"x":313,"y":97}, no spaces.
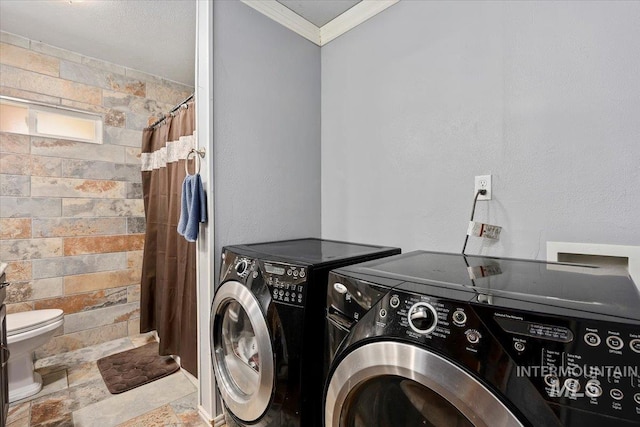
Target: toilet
{"x":27,"y":331}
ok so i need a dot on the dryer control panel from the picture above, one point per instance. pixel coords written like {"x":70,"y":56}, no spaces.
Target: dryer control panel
{"x":286,"y":282}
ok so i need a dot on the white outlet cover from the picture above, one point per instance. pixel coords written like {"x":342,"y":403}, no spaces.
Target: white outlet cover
{"x":483,"y":181}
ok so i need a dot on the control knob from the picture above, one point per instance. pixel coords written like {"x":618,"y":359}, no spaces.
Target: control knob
{"x":423,"y":318}
{"x":241,"y":267}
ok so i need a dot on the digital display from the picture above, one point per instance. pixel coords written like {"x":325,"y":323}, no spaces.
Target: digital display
{"x":535,"y":330}
{"x":270,"y":268}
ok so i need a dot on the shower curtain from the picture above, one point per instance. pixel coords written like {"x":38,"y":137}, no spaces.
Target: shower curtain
{"x":168,"y":285}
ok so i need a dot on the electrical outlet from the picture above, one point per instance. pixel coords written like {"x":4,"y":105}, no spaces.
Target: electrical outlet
{"x":483,"y":182}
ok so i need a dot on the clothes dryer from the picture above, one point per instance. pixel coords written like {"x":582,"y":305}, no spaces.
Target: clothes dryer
{"x":481,"y":341}
{"x":267,"y":328}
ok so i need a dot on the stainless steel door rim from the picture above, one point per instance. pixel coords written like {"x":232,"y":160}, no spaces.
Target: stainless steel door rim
{"x":479,"y":405}
{"x":247,"y":407}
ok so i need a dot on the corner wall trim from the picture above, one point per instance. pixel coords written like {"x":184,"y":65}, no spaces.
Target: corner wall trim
{"x":353,"y":17}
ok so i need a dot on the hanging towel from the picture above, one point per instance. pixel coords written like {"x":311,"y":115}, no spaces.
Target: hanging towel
{"x":193,"y":207}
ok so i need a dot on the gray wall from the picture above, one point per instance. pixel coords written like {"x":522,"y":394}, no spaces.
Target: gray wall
{"x":545,"y":96}
{"x":266,"y":129}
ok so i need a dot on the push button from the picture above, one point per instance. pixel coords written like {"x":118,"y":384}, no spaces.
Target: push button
{"x":572,"y":385}
{"x":519,"y":346}
{"x":614,"y":343}
{"x":636,"y":397}
{"x":635,"y":345}
{"x":551,"y":380}
{"x":616,"y":394}
{"x":473,"y":336}
{"x":395,"y":301}
{"x":593,"y":389}
{"x":592,"y":339}
{"x":459,"y":317}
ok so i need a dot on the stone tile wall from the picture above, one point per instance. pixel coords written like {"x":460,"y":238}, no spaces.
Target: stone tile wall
{"x":71,"y":213}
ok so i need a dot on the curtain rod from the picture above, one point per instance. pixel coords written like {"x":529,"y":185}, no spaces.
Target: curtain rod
{"x":173,"y":110}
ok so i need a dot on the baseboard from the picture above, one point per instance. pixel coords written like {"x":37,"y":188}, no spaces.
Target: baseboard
{"x":206,"y":417}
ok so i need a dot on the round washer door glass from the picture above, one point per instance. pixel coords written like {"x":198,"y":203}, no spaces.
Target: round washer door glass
{"x":240,"y":349}
{"x":390,"y":400}
{"x":242,"y":355}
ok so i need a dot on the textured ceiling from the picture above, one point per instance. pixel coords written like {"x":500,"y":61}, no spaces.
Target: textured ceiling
{"x":154,"y":36}
{"x":319,"y":12}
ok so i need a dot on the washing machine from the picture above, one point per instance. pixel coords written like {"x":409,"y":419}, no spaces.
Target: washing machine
{"x":435,"y":339}
{"x":267,"y":328}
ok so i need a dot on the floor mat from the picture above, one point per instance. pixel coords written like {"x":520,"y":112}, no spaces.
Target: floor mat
{"x":133,"y":368}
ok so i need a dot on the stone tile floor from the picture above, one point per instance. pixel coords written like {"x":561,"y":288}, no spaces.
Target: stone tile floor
{"x":74,"y":394}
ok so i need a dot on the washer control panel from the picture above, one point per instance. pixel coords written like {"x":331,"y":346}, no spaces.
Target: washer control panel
{"x":588,"y":365}
{"x":431,"y":320}
{"x":573,"y":363}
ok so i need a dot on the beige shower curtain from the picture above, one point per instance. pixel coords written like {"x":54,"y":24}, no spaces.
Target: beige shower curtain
{"x":168,"y":286}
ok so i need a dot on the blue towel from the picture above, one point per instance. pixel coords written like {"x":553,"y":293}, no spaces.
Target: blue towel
{"x":193,"y":207}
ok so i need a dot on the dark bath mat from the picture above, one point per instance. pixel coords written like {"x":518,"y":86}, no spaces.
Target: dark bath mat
{"x":132,"y":368}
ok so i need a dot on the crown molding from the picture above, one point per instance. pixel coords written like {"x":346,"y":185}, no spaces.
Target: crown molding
{"x":353,"y":17}
{"x":285,"y":16}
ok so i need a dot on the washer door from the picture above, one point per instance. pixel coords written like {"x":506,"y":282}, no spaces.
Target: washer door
{"x":242,"y":353}
{"x":397,"y":384}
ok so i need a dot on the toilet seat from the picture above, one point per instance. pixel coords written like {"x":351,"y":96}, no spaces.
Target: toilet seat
{"x":19,"y":323}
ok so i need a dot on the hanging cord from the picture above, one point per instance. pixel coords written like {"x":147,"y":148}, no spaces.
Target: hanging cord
{"x":473,"y":211}
{"x":464,"y":257}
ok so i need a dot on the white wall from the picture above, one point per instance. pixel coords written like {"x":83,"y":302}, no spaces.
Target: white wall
{"x":266,"y":129}
{"x":545,"y":96}
{"x":204,"y":124}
